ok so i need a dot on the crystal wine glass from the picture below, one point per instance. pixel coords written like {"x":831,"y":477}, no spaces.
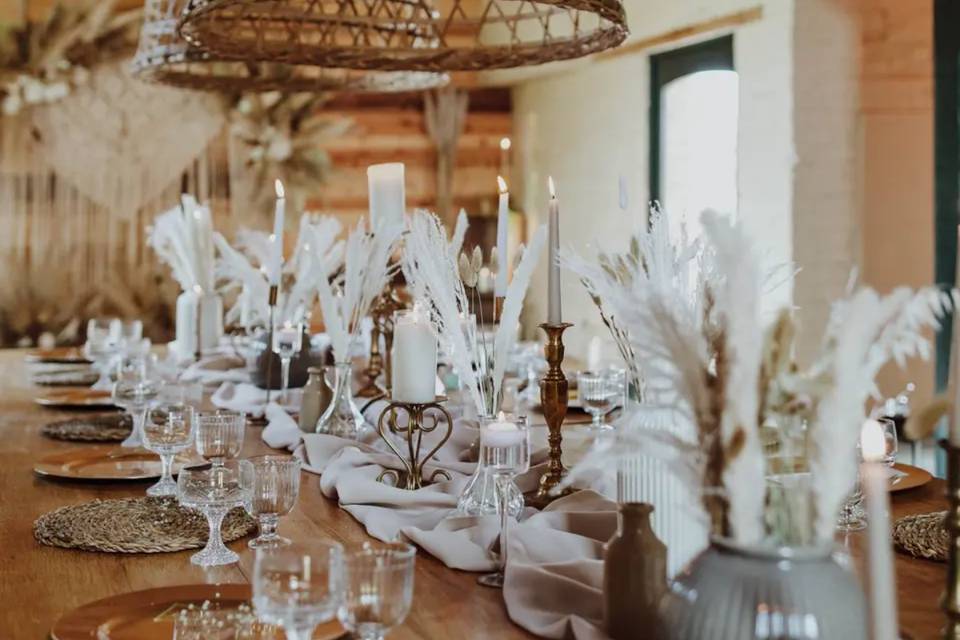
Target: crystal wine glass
{"x":167,"y":431}
{"x":853,"y":517}
{"x":126,"y":332}
{"x":378,"y":588}
{"x":135,"y":389}
{"x":596,"y":396}
{"x":100,"y":348}
{"x":214,"y":491}
{"x":220,"y":435}
{"x":287,"y":342}
{"x":505,"y":451}
{"x":276,"y":486}
{"x":890,"y":440}
{"x":298,"y":586}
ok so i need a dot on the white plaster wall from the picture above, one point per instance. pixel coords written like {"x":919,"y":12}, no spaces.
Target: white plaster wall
{"x":588,"y":125}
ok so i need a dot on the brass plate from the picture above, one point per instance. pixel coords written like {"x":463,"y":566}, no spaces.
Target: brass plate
{"x":106,"y":463}
{"x":916,"y":477}
{"x":59,"y":355}
{"x":150,"y":614}
{"x":75,"y":399}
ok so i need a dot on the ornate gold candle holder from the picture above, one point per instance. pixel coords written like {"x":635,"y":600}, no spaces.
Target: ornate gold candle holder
{"x":382,"y":310}
{"x":272,"y":302}
{"x":950,"y":602}
{"x":553,"y":398}
{"x":419,"y":422}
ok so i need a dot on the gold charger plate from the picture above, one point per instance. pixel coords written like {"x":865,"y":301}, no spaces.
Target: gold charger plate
{"x":75,"y":399}
{"x":152,"y":614}
{"x":916,"y":477}
{"x":106,"y":463}
{"x":58,"y":355}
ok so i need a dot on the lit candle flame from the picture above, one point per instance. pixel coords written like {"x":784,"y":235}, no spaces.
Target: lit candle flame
{"x":279,"y":188}
{"x":502,"y":184}
{"x":501,"y":417}
{"x":873,"y":444}
{"x":505,"y":144}
{"x":552,"y":187}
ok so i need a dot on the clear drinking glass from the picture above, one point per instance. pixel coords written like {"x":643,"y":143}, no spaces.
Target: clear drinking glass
{"x":214,"y":491}
{"x":135,"y":390}
{"x":276,"y":486}
{"x":597,"y":396}
{"x":853,"y":517}
{"x":299,"y":586}
{"x":167,"y":431}
{"x":126,"y":332}
{"x":220,"y":435}
{"x":505,"y":452}
{"x":378,"y":589}
{"x":100,"y":348}
{"x":890,"y":440}
{"x":287,"y":342}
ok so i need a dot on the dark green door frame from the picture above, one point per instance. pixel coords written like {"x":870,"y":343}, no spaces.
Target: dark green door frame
{"x":665,"y":67}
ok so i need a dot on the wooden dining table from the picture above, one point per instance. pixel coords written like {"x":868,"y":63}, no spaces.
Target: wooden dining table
{"x":39,"y":583}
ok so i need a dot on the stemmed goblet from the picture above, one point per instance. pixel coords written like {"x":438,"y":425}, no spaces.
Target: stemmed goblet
{"x":276,"y":486}
{"x":135,"y":389}
{"x":505,"y":452}
{"x":597,"y":396}
{"x":287,"y":342}
{"x":214,"y":491}
{"x":298,"y":586}
{"x":100,"y":348}
{"x":378,"y":589}
{"x":167,"y":431}
{"x":220,"y":435}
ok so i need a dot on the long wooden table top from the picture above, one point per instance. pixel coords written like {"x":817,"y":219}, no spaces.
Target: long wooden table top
{"x":38,"y":583}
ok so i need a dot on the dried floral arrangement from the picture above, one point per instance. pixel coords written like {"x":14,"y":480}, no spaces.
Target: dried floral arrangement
{"x":282,"y":136}
{"x":691,"y":314}
{"x":439,"y":280}
{"x":367,"y":269}
{"x":318,"y":254}
{"x":41,"y":62}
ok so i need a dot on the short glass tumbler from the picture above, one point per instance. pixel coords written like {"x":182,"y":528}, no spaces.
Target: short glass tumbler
{"x":167,"y":431}
{"x":299,"y":586}
{"x":220,"y":435}
{"x":378,"y":589}
{"x":276,"y":486}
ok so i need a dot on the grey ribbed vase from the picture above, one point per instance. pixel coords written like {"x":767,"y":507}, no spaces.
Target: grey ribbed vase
{"x":735,"y":593}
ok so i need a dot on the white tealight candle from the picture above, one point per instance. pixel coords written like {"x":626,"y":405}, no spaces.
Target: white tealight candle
{"x":501,"y":433}
{"x":414,"y":358}
{"x":503,"y":222}
{"x":276,"y":247}
{"x":554,"y":315}
{"x":385,"y":183}
{"x":882,"y":579}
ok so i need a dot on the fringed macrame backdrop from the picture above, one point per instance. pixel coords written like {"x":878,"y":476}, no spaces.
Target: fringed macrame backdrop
{"x":79,"y":182}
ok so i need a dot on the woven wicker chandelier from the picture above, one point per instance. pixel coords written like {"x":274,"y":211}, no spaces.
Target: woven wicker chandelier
{"x":164,"y":57}
{"x":412,"y":35}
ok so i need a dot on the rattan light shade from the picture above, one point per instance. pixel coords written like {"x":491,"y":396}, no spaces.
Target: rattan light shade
{"x":163,"y":56}
{"x":413,"y":35}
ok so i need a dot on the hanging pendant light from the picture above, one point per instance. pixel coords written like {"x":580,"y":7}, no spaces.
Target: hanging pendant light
{"x":411,"y":35}
{"x":164,"y":57}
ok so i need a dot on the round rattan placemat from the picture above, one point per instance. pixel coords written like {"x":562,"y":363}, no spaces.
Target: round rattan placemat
{"x":922,"y":536}
{"x":133,"y":525}
{"x":106,"y":427}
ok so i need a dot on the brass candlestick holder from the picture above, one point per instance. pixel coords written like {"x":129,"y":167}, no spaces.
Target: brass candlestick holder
{"x":382,"y":310}
{"x":553,"y":398}
{"x":950,"y":601}
{"x":272,"y":302}
{"x":421,"y":418}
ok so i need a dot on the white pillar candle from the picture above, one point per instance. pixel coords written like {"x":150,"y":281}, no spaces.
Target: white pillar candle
{"x":882,"y":579}
{"x":502,"y":433}
{"x":554,"y":315}
{"x":954,"y":433}
{"x":503,"y":222}
{"x":386,"y":193}
{"x":276,"y":247}
{"x":414,"y":358}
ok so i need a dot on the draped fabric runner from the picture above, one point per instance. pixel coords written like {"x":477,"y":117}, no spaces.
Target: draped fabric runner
{"x":555,"y":559}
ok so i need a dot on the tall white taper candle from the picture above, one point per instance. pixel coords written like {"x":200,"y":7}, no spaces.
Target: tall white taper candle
{"x":276,"y":248}
{"x":503,"y":222}
{"x":882,"y":580}
{"x":554,"y":315}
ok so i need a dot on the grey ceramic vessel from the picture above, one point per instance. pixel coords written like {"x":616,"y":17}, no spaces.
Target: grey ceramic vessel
{"x":730,"y":592}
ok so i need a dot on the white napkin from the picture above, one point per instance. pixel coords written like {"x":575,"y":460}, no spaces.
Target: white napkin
{"x":251,"y":399}
{"x":216,"y":370}
{"x":282,"y":431}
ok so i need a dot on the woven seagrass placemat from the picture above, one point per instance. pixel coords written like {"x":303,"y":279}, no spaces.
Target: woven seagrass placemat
{"x":922,"y":536}
{"x":106,"y":427}
{"x":133,"y":525}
